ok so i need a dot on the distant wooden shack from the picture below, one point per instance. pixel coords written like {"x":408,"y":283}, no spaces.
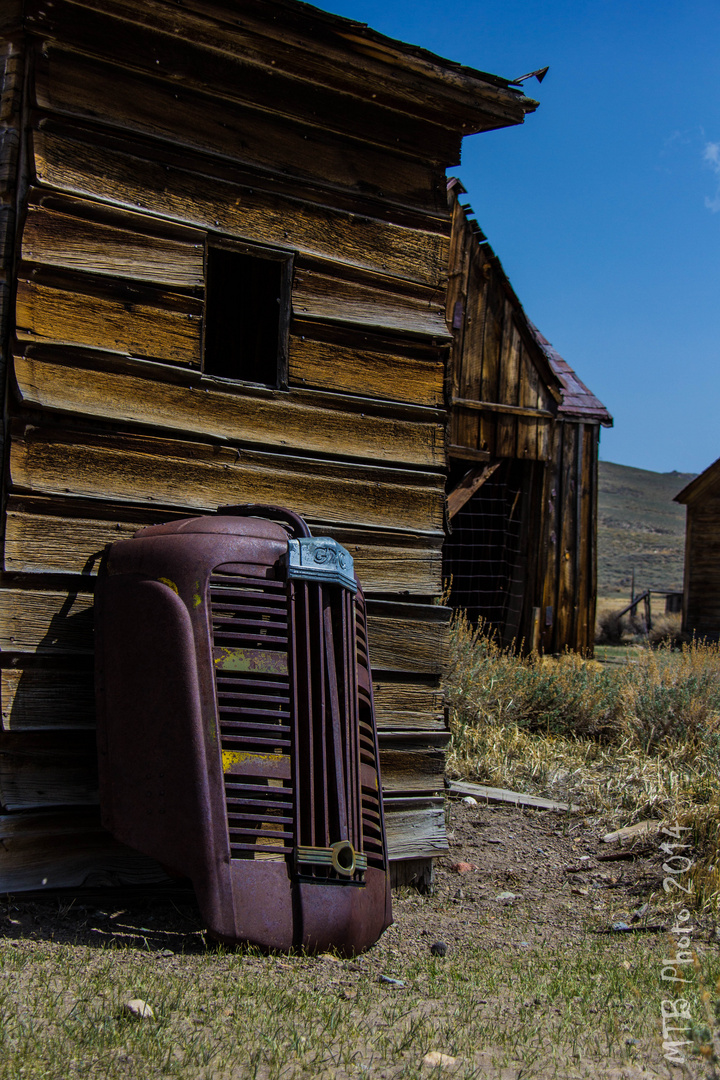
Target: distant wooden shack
{"x":225,"y":241}
{"x":701,"y":589}
{"x":523,"y":453}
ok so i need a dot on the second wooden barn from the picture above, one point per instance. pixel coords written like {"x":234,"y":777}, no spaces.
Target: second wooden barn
{"x":226,"y":233}
{"x":523,"y":451}
{"x":701,"y":589}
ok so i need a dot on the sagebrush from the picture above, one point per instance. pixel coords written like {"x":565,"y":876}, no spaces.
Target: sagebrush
{"x":632,"y":741}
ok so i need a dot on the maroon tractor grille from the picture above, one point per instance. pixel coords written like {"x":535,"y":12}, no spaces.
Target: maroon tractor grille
{"x":236,"y":733}
{"x":296,"y":731}
{"x":250,"y":652}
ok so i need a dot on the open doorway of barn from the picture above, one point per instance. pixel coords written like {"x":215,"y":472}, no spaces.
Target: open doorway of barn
{"x":487,"y":556}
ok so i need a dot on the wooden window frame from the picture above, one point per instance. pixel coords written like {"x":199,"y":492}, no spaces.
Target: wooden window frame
{"x":268,"y":254}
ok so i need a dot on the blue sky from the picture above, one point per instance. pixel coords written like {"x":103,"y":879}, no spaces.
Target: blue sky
{"x":604,"y":207}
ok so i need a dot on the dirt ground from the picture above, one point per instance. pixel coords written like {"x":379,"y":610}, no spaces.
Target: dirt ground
{"x":561,"y":875}
{"x":531,"y":879}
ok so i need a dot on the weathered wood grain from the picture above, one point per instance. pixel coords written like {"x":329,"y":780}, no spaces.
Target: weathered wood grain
{"x":61,"y":239}
{"x":412,"y":641}
{"x":347,"y":57}
{"x":325,"y":297}
{"x":51,"y":622}
{"x":195,"y":476}
{"x":281,"y":421}
{"x":415,"y":705}
{"x":470,"y":483}
{"x":67,"y":849}
{"x":54,"y":698}
{"x":277,"y":422}
{"x":47,"y":698}
{"x":225,"y":69}
{"x":468,"y":354}
{"x":37,"y":542}
{"x":411,"y":765}
{"x":415,"y":828}
{"x":100,"y":322}
{"x":87,"y":89}
{"x":365,"y":371}
{"x":511,"y":370}
{"x":551,"y":562}
{"x":566,"y":602}
{"x":46,"y":622}
{"x":44,"y":769}
{"x":237,"y":210}
{"x":531,"y":397}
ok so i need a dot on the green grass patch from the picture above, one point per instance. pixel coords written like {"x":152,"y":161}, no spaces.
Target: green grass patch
{"x":552,"y":1010}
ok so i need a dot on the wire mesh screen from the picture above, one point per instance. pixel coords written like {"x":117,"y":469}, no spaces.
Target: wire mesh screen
{"x":483,"y":558}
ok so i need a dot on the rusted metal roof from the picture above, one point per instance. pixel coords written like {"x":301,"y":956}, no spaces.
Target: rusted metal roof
{"x":577,"y":399}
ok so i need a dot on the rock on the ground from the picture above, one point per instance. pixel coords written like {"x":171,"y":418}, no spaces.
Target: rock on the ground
{"x":435,"y":1058}
{"x":139,"y":1009}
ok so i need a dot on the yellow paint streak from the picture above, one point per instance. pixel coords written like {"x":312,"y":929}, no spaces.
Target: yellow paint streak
{"x":170,"y":584}
{"x":234,"y":757}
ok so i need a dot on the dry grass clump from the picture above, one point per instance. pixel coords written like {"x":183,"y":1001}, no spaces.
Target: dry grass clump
{"x":615,"y":629}
{"x":631,"y":741}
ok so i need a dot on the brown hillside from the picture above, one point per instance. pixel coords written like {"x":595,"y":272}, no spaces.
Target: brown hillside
{"x":640,"y":528}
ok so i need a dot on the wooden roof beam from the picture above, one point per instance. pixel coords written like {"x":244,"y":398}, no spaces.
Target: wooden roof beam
{"x":499,"y":407}
{"x":471,"y":482}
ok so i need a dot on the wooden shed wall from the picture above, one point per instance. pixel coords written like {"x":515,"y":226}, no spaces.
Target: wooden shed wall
{"x":507,"y":407}
{"x":701,"y":615}
{"x":503,"y":396}
{"x":130,"y":168}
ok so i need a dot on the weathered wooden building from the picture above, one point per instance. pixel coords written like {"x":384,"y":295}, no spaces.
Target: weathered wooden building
{"x":225,"y":241}
{"x":523,"y":453}
{"x":701,"y":587}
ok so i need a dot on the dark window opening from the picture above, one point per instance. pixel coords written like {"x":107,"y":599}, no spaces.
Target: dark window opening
{"x":246,"y":316}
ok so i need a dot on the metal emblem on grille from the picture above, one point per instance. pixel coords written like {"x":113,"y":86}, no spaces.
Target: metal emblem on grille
{"x":319,"y":558}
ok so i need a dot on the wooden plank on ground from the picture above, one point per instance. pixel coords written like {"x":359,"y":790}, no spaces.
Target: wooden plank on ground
{"x":501,"y":795}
